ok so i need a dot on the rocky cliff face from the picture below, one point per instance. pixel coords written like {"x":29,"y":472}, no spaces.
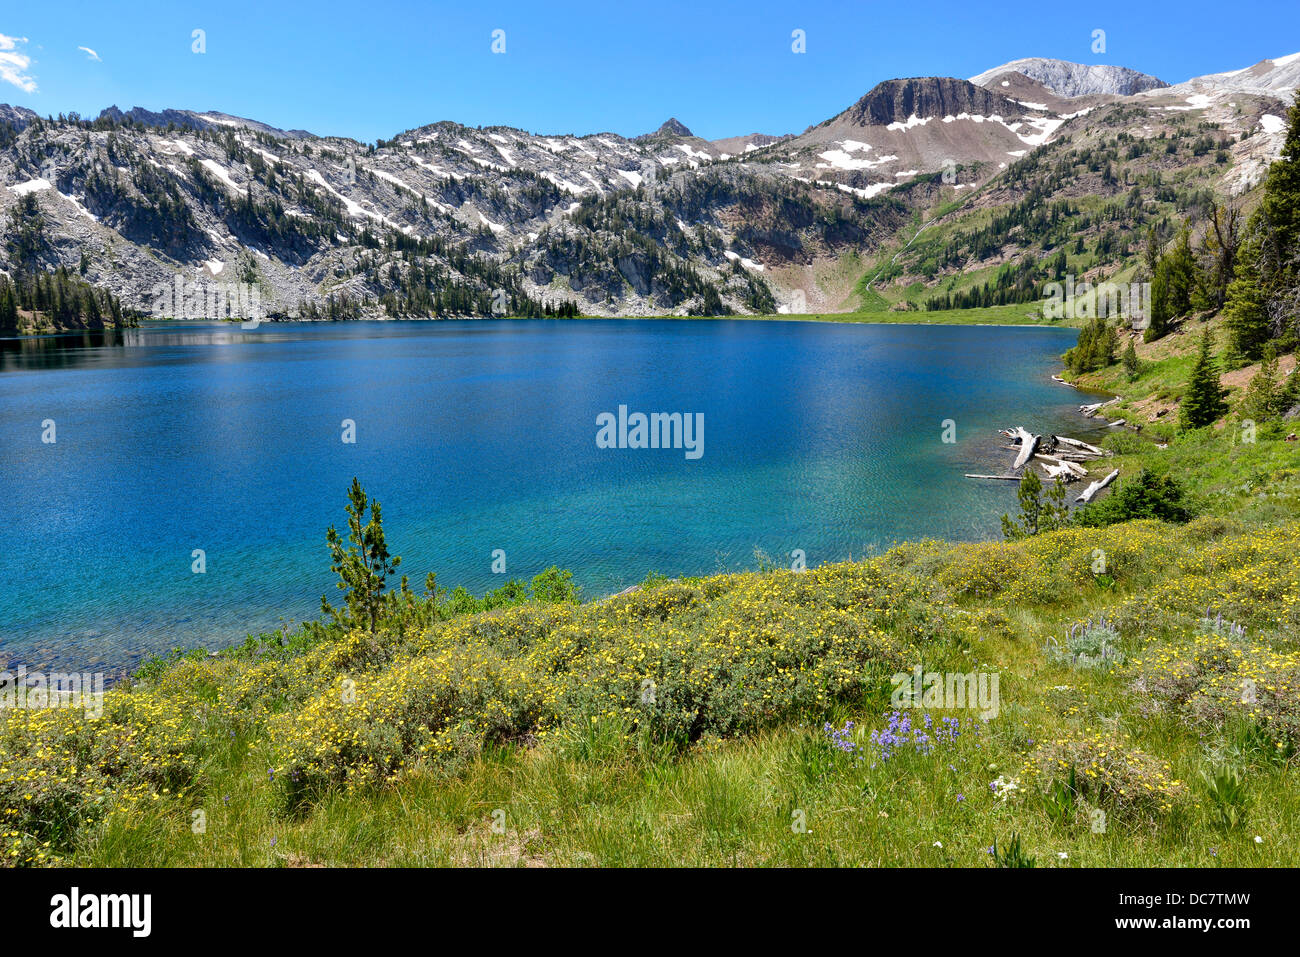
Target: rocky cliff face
{"x":16,"y":117}
{"x":895,"y":101}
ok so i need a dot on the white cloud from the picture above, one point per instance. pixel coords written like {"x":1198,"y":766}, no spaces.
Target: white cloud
{"x":90,"y":54}
{"x":14,"y":65}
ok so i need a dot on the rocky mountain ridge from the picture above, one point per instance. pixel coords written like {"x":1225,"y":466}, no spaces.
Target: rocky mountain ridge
{"x":1074,"y":79}
{"x":450,"y":219}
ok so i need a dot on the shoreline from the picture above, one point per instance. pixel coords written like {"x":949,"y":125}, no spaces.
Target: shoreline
{"x":844,"y":318}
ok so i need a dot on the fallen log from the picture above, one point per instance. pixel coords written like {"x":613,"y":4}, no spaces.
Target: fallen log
{"x":1079,"y":445}
{"x":1060,"y":473}
{"x":1074,"y":456}
{"x":1005,"y":478}
{"x":1061,"y":466}
{"x":1090,"y":492}
{"x":1028,"y":446}
{"x":1091,"y":410}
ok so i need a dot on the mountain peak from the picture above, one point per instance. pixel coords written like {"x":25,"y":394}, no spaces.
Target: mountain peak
{"x":16,"y":116}
{"x":673,"y":127}
{"x":893,"y":101}
{"x":1075,"y":79}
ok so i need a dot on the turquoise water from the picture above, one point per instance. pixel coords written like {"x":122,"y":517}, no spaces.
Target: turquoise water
{"x":476,"y":436}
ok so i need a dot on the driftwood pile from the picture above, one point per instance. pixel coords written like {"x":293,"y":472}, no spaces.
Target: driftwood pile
{"x":1059,"y":456}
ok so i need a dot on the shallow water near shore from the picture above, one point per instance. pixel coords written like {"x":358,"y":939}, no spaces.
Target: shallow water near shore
{"x":476,"y":436}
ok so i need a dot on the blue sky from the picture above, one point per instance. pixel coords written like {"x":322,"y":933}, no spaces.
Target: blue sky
{"x":371,"y":68}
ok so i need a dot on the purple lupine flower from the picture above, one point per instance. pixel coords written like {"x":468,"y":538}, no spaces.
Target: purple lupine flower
{"x":842,"y":740}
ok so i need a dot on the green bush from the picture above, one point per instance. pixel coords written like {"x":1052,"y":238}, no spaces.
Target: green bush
{"x":1149,"y":495}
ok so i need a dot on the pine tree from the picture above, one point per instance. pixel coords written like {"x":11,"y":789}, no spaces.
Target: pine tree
{"x":1151,"y":252}
{"x":1280,"y":205}
{"x":1132,"y":365}
{"x":1172,"y":286}
{"x":1264,"y":398}
{"x":8,"y":306}
{"x":1245,"y":313}
{"x":363,"y":567}
{"x":26,"y":231}
{"x":1038,"y":513}
{"x":1161,"y":312}
{"x":1203,"y":402}
{"x":1095,"y":348}
{"x":1181,"y":269}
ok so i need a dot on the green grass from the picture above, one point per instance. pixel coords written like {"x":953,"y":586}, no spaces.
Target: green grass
{"x":733,"y":804}
{"x":873,"y":301}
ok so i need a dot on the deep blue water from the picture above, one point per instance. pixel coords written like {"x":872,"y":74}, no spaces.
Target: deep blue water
{"x":476,"y":436}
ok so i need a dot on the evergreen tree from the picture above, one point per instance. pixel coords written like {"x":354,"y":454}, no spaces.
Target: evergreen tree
{"x":1280,"y":205}
{"x":8,"y":306}
{"x":363,"y":566}
{"x":1038,"y":512}
{"x":1172,"y":286}
{"x":1147,"y":495}
{"x":26,"y":232}
{"x":1132,"y":365}
{"x":1150,"y":252}
{"x":1203,"y":402}
{"x":1180,"y":266}
{"x":58,"y":300}
{"x":1245,"y":312}
{"x":1264,"y":399}
{"x":1161,"y":312}
{"x":1095,"y":348}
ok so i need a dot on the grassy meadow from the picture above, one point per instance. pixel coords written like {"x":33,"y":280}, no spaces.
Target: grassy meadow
{"x":1015,"y":314}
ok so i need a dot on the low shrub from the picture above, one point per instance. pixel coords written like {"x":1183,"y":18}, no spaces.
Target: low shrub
{"x":1108,"y":771}
{"x":1219,"y":674}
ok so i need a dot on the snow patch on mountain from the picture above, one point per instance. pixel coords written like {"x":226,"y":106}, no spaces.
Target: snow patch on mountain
{"x":912,"y":122}
{"x":221,"y":173}
{"x":839,"y":159}
{"x":31,"y":186}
